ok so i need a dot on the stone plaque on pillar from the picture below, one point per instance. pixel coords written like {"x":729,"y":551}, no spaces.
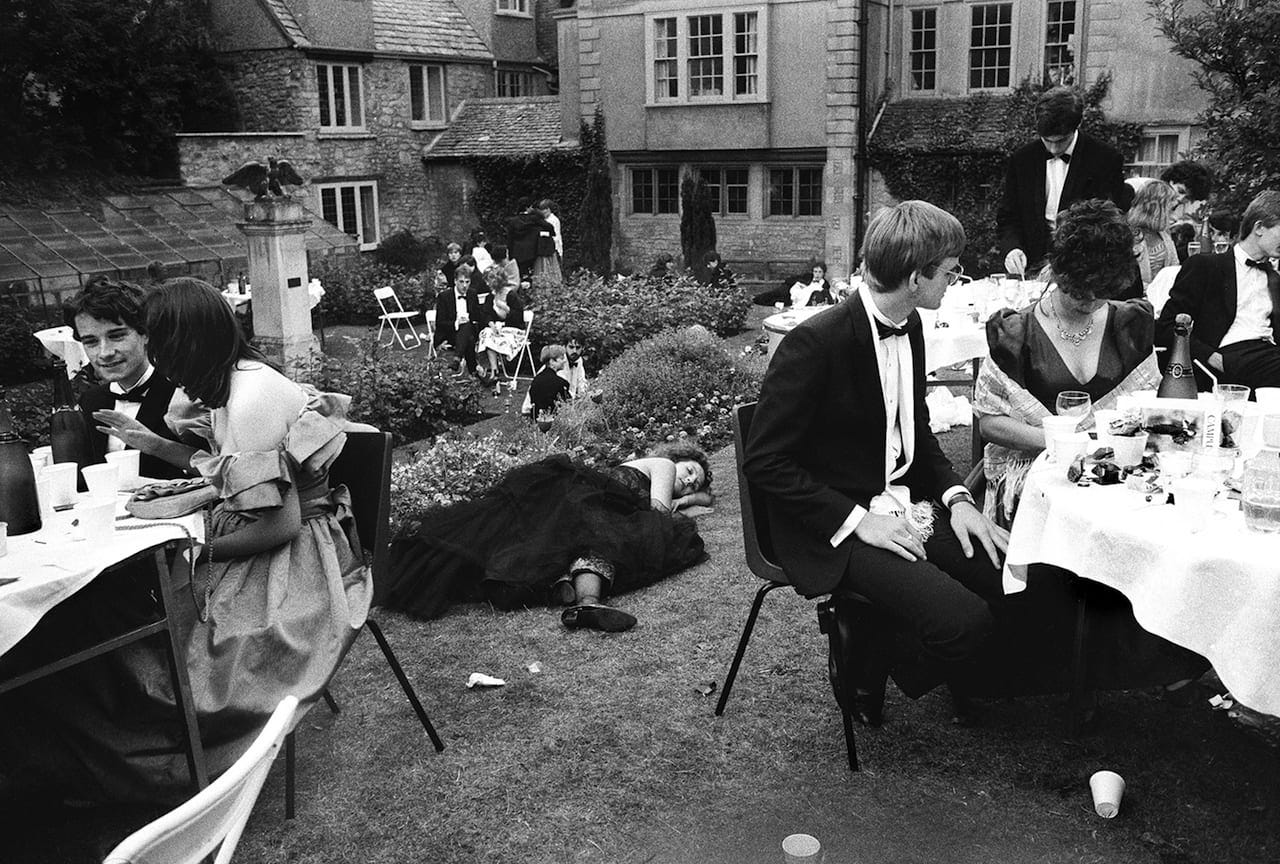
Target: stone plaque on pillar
{"x":275,"y":229}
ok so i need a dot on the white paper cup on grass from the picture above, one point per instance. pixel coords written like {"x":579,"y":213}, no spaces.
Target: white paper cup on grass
{"x":1107,"y":788}
{"x":62,"y":483}
{"x":95,"y":517}
{"x":127,"y":462}
{"x":102,"y":479}
{"x":1053,"y":426}
{"x":801,"y":849}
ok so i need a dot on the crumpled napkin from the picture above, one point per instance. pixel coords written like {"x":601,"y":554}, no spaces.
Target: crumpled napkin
{"x":62,"y":343}
{"x":947,"y":410}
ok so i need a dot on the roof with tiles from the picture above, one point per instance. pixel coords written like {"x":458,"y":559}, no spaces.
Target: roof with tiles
{"x":500,"y":127}
{"x":939,"y":125}
{"x":435,"y":28}
{"x":288,"y":23}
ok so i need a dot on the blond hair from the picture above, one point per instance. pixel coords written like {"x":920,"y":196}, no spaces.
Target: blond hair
{"x":914,"y":236}
{"x":1150,"y":208}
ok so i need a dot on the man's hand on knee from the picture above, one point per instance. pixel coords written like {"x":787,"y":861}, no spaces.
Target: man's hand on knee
{"x":969,"y":525}
{"x":893,"y":533}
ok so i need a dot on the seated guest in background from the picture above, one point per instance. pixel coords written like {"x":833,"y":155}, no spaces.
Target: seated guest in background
{"x":549,"y":387}
{"x":510,"y":269}
{"x":1231,"y":298}
{"x":574,"y":372}
{"x":1191,"y":183}
{"x":1181,"y":234}
{"x":452,"y":258}
{"x":458,"y":317}
{"x":1224,"y":225}
{"x":1149,"y":219}
{"x":664,"y":267}
{"x":817,"y":292}
{"x":711,"y":270}
{"x":128,"y":408}
{"x":501,"y":330}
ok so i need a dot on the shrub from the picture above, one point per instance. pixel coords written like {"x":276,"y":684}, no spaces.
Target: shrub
{"x":30,"y":405}
{"x":403,"y":393}
{"x":21,"y":357}
{"x":349,"y":281}
{"x":405,"y":252}
{"x":608,"y":316}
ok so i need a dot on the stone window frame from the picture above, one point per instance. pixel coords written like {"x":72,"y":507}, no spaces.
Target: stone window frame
{"x":793,"y":185}
{"x":427,"y":121}
{"x":634,"y":189}
{"x":1065,"y":44}
{"x":722,"y":188}
{"x":1139,"y":167}
{"x":976,"y":50}
{"x":514,"y":8}
{"x":327,"y":100}
{"x":358,"y":204}
{"x":910,"y":53}
{"x":659,"y":65}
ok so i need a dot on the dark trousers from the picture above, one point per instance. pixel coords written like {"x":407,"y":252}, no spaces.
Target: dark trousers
{"x":1255,"y":364}
{"x":935,"y":611}
{"x":464,"y":344}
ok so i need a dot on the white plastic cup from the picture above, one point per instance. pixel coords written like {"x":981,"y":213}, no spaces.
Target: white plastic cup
{"x":96,"y":516}
{"x":1067,"y":446}
{"x":46,"y":451}
{"x":1102,"y":418}
{"x":1176,"y":463}
{"x":1128,"y":449}
{"x":102,"y":480}
{"x":1193,"y":496}
{"x":62,"y":483}
{"x":1054,"y":425}
{"x":44,"y":494}
{"x":1107,"y":788}
{"x":1268,"y":398}
{"x":801,"y":849}
{"x":38,"y":461}
{"x":127,"y":462}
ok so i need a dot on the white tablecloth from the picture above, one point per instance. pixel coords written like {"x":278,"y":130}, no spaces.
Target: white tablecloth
{"x":1212,"y":587}
{"x":50,"y":566}
{"x":233,"y":296}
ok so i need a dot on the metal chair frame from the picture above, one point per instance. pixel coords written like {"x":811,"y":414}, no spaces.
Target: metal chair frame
{"x":395,"y":317}
{"x":525,"y":351}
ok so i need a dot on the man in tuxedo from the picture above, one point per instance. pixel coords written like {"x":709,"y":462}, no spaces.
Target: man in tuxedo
{"x":128,"y":408}
{"x":458,"y":318}
{"x":858,"y":492}
{"x":524,"y":231}
{"x":1233,"y":299}
{"x":1062,"y":166}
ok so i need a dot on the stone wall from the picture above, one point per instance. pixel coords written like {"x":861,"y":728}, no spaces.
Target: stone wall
{"x":268,"y":88}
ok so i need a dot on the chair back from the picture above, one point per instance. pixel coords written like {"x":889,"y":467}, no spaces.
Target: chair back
{"x":757,"y":538}
{"x":214,"y":817}
{"x":364,"y":467}
{"x":382,"y":295}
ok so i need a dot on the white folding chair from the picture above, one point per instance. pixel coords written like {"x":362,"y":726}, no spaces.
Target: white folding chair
{"x":430,"y":317}
{"x":524,"y":352}
{"x":397,"y":318}
{"x":215,"y":816}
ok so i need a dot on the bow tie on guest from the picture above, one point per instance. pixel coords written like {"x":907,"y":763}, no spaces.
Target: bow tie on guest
{"x":1065,"y":157}
{"x":1263,"y":264}
{"x":137,"y":394}
{"x":887,"y":331}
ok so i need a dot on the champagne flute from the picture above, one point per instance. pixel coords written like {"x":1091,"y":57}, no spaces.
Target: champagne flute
{"x":1074,"y":403}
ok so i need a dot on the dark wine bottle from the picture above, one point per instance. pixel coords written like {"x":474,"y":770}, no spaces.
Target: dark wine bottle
{"x":18,"y":504}
{"x":68,"y":433}
{"x":1179,"y":379}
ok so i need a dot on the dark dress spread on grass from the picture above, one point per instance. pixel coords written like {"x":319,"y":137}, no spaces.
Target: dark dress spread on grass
{"x":511,"y":544}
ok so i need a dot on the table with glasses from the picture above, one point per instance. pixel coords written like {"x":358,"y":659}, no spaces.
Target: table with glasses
{"x":51,"y":567}
{"x":1208,"y":584}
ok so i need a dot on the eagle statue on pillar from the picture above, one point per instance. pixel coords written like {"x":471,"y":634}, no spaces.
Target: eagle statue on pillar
{"x":265,"y":181}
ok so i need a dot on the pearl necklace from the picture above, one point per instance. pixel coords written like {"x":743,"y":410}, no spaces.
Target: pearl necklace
{"x":1074,"y":337}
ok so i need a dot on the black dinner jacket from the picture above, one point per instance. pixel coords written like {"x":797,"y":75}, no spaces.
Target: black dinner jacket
{"x":1205,"y":288}
{"x":447,"y":312}
{"x":817,"y":441}
{"x":155,"y":404}
{"x":1096,"y":171}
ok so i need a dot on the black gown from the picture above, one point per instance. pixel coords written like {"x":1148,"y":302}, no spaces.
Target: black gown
{"x":511,"y":544}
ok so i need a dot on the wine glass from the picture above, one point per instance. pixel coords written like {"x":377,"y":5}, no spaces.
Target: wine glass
{"x":1074,"y":403}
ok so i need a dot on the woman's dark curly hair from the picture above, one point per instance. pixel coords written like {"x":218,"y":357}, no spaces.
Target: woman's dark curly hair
{"x":680,"y":451}
{"x":1092,"y":255}
{"x":1196,"y":177}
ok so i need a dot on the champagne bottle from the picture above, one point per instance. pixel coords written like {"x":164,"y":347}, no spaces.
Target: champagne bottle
{"x":68,"y":433}
{"x":1179,"y":379}
{"x":18,"y":504}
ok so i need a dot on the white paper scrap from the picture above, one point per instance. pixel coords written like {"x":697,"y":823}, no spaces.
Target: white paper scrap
{"x":479,"y":679}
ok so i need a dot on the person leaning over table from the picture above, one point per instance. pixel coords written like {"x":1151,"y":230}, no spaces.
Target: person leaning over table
{"x":1075,"y":337}
{"x":1148,"y":219}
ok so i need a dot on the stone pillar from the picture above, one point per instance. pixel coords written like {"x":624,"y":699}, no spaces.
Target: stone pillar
{"x":276,"y":228}
{"x":840,"y":177}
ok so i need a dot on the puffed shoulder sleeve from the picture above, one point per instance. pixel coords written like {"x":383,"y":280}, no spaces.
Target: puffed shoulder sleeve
{"x":1134,"y":325}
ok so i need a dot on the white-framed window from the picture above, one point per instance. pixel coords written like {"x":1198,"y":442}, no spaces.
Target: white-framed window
{"x":426,"y":95}
{"x":341,"y":96}
{"x":794,"y":191}
{"x":655,"y":191}
{"x":1060,"y":42}
{"x":922,"y":54}
{"x":514,"y":7}
{"x":1158,"y":149}
{"x":727,"y":188}
{"x":513,"y":83}
{"x":717,"y":55}
{"x":352,"y":208}
{"x":990,"y":46}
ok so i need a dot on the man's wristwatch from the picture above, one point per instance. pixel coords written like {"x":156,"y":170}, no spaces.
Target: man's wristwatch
{"x":957,"y":497}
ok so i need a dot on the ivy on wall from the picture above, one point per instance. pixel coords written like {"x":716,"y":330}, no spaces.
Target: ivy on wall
{"x":956,"y":159}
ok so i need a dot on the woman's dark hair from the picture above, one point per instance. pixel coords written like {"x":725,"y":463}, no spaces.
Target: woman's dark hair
{"x":1197,"y":178}
{"x":1092,"y":254}
{"x":709,"y":256}
{"x":680,"y":451}
{"x":1058,"y":112}
{"x":822,"y":264}
{"x":1182,"y":233}
{"x":1226,"y":221}
{"x":499,"y":252}
{"x":195,"y":340}
{"x":119,"y":302}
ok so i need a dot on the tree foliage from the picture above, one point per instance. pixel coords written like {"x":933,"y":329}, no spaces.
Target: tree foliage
{"x":104,"y":84}
{"x":697,"y":225}
{"x":1236,"y":44}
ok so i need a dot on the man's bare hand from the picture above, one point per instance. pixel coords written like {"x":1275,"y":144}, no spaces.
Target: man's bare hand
{"x":1016,"y":262}
{"x":969,"y":525}
{"x":893,"y":533}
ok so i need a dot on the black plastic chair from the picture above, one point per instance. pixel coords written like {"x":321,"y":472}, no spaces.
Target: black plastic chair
{"x":364,"y":467}
{"x":758,"y":545}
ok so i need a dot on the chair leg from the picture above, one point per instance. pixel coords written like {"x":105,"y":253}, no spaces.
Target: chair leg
{"x":742,"y":644}
{"x":290,"y":761}
{"x":850,"y":743}
{"x":331,"y":702}
{"x":1078,"y":670}
{"x":404,"y":683}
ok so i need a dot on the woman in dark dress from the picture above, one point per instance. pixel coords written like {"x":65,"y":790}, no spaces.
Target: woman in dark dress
{"x":1073,"y":338}
{"x":555,"y":531}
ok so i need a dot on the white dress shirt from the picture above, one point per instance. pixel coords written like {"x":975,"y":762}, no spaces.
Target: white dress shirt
{"x":554,"y":221}
{"x":1253,"y":303}
{"x":126,"y":406}
{"x":460,"y":314}
{"x":1055,"y":177}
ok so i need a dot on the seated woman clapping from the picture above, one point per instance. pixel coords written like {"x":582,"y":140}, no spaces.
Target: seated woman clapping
{"x":502,"y":325}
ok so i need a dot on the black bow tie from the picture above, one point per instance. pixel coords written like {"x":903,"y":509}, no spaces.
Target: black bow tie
{"x":887,"y":331}
{"x":137,"y":394}
{"x":1263,"y":264}
{"x":1065,"y":157}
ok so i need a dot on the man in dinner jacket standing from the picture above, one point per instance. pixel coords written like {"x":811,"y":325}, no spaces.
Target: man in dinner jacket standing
{"x":1062,"y":166}
{"x":859,"y":494}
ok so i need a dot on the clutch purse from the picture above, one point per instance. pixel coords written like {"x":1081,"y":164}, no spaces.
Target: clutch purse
{"x":171,"y":499}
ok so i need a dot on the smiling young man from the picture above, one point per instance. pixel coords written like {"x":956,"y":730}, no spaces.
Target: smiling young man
{"x":860,"y":496}
{"x":133,"y":399}
{"x":1062,"y":166}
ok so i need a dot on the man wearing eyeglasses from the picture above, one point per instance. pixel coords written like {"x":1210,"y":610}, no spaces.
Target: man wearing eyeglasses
{"x":1062,"y":166}
{"x":860,"y":496}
